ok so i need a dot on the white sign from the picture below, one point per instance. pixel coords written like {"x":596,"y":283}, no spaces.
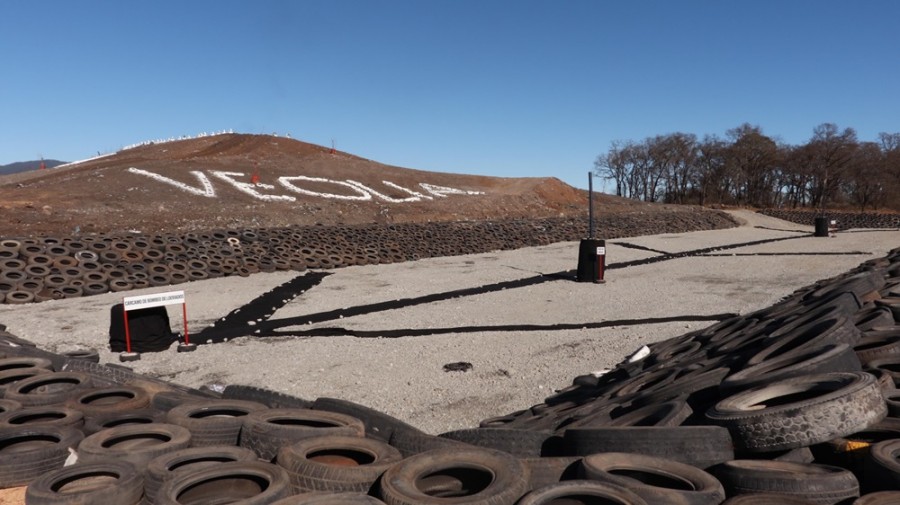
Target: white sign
{"x":601,"y":251}
{"x":155,"y":300}
{"x":347,"y":189}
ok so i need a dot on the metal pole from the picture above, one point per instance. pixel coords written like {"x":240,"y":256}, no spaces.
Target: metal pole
{"x":590,"y":206}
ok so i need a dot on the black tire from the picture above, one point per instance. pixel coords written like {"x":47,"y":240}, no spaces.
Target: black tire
{"x":107,"y":482}
{"x":9,"y":406}
{"x":546,"y":471}
{"x":879,"y":498}
{"x":668,"y":413}
{"x":27,"y":452}
{"x":20,"y":362}
{"x":163,"y":468}
{"x":113,"y":374}
{"x":269,"y":398}
{"x":135,"y":444}
{"x":522,"y":443}
{"x":882,"y":467}
{"x":852,"y":451}
{"x":813,"y":333}
{"x":266,"y":431}
{"x":410,"y":442}
{"x":329,"y":499}
{"x":378,"y":424}
{"x":461,"y":476}
{"x":766,"y":499}
{"x":140,"y":416}
{"x":878,"y":344}
{"x":213,"y":422}
{"x":873,"y":318}
{"x":804,"y":361}
{"x":582,"y":492}
{"x":244,"y":482}
{"x":48,"y":388}
{"x":804,"y":410}
{"x":106,"y":401}
{"x":9,"y":378}
{"x":700,"y":446}
{"x":336,"y":464}
{"x":656,"y":480}
{"x":54,"y":415}
{"x":90,"y":355}
{"x":820,"y":484}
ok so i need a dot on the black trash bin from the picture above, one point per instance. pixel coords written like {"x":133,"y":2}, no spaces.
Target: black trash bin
{"x":821,"y":227}
{"x":591,"y":260}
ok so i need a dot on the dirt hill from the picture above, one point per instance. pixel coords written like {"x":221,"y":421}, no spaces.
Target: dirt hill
{"x":253,"y":181}
{"x":238,"y":180}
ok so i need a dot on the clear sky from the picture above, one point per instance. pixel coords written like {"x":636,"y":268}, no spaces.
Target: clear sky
{"x":502,"y":88}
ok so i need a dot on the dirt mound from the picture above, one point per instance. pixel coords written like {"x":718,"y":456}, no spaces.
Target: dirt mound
{"x":229,"y":181}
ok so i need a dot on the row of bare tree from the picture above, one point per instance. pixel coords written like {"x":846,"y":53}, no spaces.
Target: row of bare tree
{"x":747,"y":167}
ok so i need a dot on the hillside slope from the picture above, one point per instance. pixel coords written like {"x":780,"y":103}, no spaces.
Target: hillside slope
{"x":239,"y":180}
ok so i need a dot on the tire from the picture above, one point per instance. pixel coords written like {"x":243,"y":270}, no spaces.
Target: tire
{"x":883,"y":467}
{"x":140,"y":416}
{"x":163,"y":468}
{"x":105,"y":401}
{"x":244,"y":482}
{"x":766,"y":499}
{"x":669,"y":413}
{"x":53,"y":415}
{"x":378,"y":424}
{"x":522,"y":443}
{"x":23,"y":362}
{"x":336,"y":464}
{"x":118,"y":375}
{"x":874,"y":317}
{"x":879,"y":498}
{"x":269,"y":398}
{"x":804,"y":411}
{"x":700,"y":446}
{"x":48,"y":388}
{"x":582,"y":492}
{"x":213,"y":422}
{"x":878,"y":344}
{"x":135,"y":444}
{"x":814,"y":333}
{"x":90,"y":355}
{"x":266,"y":431}
{"x":820,"y":484}
{"x":803,"y":361}
{"x":551,"y":470}
{"x":410,"y":443}
{"x":656,"y":480}
{"x":9,"y":378}
{"x":107,"y":482}
{"x":460,"y":476}
{"x":7,"y":406}
{"x":852,"y":451}
{"x":329,"y":499}
{"x":27,"y":452}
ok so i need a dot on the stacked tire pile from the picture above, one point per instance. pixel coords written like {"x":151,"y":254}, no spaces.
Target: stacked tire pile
{"x":792,"y":404}
{"x":40,"y":269}
{"x":844,"y":220}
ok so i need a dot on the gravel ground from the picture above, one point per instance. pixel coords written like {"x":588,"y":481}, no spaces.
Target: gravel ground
{"x":513,"y":368}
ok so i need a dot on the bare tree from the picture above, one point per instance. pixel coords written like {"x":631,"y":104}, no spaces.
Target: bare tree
{"x":832,"y":151}
{"x":755,"y":158}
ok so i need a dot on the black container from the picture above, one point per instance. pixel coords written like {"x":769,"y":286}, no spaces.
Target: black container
{"x":591,"y":260}
{"x":821,"y":227}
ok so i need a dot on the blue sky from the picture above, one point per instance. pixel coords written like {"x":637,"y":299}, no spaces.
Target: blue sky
{"x":502,"y":88}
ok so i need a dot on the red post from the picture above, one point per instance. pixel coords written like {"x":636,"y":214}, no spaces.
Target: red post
{"x":127,"y":332}
{"x":184,"y":313}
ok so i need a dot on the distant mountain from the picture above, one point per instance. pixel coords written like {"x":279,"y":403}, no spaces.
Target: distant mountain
{"x":24,"y":166}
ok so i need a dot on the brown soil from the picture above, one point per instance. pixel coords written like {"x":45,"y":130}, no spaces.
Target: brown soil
{"x":103,"y":196}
